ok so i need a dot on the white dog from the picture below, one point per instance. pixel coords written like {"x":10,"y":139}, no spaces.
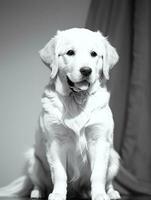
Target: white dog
{"x":74,"y":140}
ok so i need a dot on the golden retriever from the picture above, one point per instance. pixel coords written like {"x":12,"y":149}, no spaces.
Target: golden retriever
{"x":74,"y":139}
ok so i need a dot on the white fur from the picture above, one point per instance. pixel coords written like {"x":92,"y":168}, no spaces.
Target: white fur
{"x":74,"y":138}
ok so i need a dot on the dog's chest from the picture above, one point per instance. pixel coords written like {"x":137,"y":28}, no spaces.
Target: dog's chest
{"x":66,"y":112}
{"x":75,"y":117}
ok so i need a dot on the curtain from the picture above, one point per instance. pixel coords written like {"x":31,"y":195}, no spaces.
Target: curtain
{"x":127,"y":23}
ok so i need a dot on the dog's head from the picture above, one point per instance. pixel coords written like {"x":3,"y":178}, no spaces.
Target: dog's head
{"x":77,"y":58}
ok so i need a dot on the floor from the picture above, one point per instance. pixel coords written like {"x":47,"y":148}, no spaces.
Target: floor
{"x":123,"y":198}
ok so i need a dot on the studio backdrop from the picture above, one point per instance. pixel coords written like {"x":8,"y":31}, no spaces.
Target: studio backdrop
{"x":128,"y":27}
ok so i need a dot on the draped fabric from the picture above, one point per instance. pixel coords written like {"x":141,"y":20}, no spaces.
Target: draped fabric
{"x":127,"y":23}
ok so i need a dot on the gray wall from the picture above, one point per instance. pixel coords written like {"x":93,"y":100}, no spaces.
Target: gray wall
{"x":25,"y":26}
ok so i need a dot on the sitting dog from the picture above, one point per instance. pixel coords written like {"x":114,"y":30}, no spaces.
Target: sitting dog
{"x":74,"y":139}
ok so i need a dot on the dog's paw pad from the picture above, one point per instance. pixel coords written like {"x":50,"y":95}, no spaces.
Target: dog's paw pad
{"x":55,"y":196}
{"x":113,"y":194}
{"x":35,"y":194}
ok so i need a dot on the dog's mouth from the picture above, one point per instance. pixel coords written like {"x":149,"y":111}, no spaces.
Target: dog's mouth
{"x":78,"y":86}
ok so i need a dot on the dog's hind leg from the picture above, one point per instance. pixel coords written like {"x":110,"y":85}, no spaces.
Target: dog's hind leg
{"x":36,"y":193}
{"x":37,"y":175}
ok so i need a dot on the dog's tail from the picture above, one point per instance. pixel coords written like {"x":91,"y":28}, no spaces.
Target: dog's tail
{"x":21,"y":187}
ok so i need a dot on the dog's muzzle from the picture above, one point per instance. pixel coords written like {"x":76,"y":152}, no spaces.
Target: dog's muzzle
{"x":78,"y":86}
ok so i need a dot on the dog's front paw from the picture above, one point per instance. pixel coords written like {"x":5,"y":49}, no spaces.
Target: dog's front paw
{"x":56,"y":196}
{"x":113,"y":194}
{"x":101,"y":196}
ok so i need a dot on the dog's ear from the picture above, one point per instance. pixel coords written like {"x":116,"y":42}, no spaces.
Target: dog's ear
{"x":110,"y":59}
{"x":49,"y":56}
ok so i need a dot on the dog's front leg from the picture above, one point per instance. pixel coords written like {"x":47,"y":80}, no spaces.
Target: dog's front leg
{"x":56,"y":156}
{"x":99,"y":150}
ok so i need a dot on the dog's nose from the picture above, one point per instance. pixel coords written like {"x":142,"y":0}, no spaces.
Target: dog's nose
{"x":85,"y":71}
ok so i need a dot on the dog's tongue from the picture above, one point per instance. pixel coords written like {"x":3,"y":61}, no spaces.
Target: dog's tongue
{"x":83,"y":85}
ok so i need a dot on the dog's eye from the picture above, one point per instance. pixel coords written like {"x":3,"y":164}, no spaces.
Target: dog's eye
{"x":93,"y":54}
{"x":70,"y":52}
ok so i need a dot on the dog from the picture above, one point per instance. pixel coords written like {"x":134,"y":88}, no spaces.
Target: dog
{"x":74,"y":140}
